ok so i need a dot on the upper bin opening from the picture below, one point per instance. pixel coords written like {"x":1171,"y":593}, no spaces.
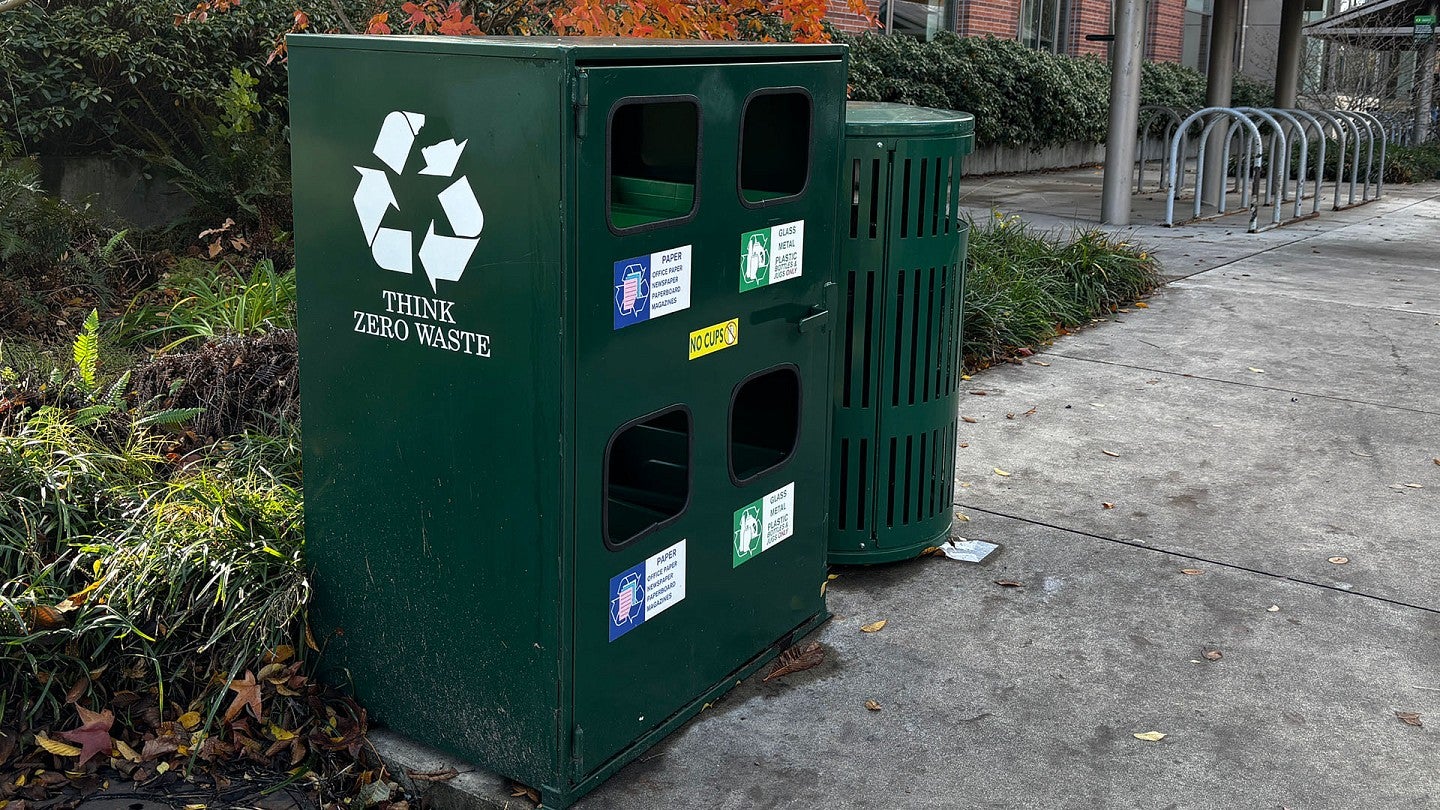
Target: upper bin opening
{"x":654,"y":161}
{"x":775,"y":146}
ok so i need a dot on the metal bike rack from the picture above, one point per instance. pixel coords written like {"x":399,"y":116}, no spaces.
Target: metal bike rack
{"x":1304,"y":144}
{"x":1310,"y":118}
{"x":1151,"y":115}
{"x":1213,"y":116}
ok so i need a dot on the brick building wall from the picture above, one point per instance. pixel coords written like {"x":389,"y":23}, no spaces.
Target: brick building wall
{"x":976,"y":18}
{"x":1165,"y":31}
{"x":1164,"y":37}
{"x":838,"y":13}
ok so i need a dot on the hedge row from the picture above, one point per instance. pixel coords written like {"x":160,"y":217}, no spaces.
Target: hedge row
{"x":1020,"y":96}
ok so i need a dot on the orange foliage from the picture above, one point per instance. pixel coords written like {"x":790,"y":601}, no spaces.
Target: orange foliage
{"x":703,"y":19}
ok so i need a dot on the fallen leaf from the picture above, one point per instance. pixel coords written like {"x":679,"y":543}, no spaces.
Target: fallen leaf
{"x":56,"y":747}
{"x":1096,"y":405}
{"x":93,"y":733}
{"x":162,"y":767}
{"x":1273,"y":609}
{"x":978,"y":393}
{"x":1415,"y":486}
{"x":961,"y":518}
{"x":189,"y":721}
{"x":432,"y":776}
{"x":1039,"y":362}
{"x":1213,"y":655}
{"x":873,"y":627}
{"x":823,"y":585}
{"x":1142,"y":305}
{"x":126,"y":752}
{"x":1256,"y":370}
{"x":796,"y":659}
{"x":1008,"y":583}
{"x":1009,"y":416}
{"x":965,"y":377}
{"x":972,"y":420}
{"x":1410,"y":719}
{"x":1111,"y":453}
{"x":999,"y":471}
{"x":247,"y":693}
{"x":530,"y":793}
{"x":1436,"y":460}
{"x":1338,"y":560}
{"x":158,"y":747}
{"x":1032,"y":411}
{"x":1191,"y":571}
{"x":874,"y":706}
{"x":1149,"y":736}
{"x":1106,"y":505}
{"x":831,"y":577}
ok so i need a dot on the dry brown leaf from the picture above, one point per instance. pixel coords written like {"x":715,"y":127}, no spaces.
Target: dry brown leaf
{"x":872,"y":705}
{"x":1008,"y":583}
{"x":1040,"y":362}
{"x":1337,"y":560}
{"x":189,"y":721}
{"x":972,"y":420}
{"x":1192,"y":572}
{"x":126,"y":752}
{"x":962,"y":518}
{"x":1009,"y":416}
{"x":432,"y":776}
{"x":796,"y":659}
{"x":1142,"y":305}
{"x":1032,"y":411}
{"x":247,"y":693}
{"x":1410,"y":719}
{"x":873,"y":627}
{"x":1436,"y":460}
{"x":1106,"y":505}
{"x":1111,"y":453}
{"x":1213,"y":655}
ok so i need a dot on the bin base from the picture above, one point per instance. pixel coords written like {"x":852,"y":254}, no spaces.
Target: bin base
{"x":889,"y":553}
{"x":553,"y":799}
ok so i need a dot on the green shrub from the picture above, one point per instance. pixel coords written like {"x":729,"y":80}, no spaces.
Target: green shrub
{"x":1019,"y":96}
{"x":1023,"y":285}
{"x":214,"y":300}
{"x":1412,"y":164}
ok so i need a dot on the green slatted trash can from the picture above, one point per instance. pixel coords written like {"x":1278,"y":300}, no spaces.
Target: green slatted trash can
{"x":902,"y":281}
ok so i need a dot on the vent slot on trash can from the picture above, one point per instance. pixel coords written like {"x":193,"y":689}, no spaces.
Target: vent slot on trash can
{"x":775,"y":146}
{"x":764,"y":422}
{"x":647,"y":475}
{"x":654,"y":158}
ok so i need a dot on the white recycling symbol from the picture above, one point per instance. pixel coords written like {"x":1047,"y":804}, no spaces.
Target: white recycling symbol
{"x":442,"y":257}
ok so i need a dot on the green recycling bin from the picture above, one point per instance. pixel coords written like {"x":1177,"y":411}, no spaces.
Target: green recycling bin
{"x":565,"y":348}
{"x":898,"y":334}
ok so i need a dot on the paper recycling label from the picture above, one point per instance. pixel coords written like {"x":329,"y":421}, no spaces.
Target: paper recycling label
{"x":771,"y":255}
{"x":643,"y":592}
{"x":648,"y":287}
{"x":762,"y":524}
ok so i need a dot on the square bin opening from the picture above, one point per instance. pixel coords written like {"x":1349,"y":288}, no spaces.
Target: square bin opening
{"x":775,"y":146}
{"x":647,"y":475}
{"x":654,"y":156}
{"x":764,"y":422}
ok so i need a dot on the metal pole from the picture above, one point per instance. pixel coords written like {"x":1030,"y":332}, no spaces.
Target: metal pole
{"x":1287,"y":57}
{"x":1126,"y":56}
{"x":1220,"y":79}
{"x":1425,"y":89}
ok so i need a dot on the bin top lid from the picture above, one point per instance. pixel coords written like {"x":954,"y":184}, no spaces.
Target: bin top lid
{"x":884,"y":118}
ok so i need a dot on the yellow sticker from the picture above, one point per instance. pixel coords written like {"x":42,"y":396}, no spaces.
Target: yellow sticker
{"x":714,"y":338}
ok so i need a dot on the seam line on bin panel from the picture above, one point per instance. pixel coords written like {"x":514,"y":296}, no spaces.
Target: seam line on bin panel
{"x":1221,"y":564}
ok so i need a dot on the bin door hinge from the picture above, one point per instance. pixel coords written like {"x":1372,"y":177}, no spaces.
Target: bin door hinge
{"x":580,"y":97}
{"x":577,"y":750}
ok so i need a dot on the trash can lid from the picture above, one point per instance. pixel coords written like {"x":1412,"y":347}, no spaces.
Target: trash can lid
{"x":880,"y":118}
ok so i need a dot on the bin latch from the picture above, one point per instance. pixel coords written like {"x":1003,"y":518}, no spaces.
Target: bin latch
{"x":817,"y":317}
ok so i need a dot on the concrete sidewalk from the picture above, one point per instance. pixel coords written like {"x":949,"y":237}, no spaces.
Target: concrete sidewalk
{"x":1266,"y":415}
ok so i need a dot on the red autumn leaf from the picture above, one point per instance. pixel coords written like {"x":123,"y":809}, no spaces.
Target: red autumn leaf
{"x":93,"y":735}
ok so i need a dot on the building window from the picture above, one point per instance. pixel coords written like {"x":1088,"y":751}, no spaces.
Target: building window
{"x":1042,"y":24}
{"x":922,"y":19}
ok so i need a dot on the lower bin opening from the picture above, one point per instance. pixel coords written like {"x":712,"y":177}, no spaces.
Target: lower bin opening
{"x":647,"y":475}
{"x":764,"y":422}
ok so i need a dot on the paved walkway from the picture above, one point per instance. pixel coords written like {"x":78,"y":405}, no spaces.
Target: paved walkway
{"x":1269,"y":413}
